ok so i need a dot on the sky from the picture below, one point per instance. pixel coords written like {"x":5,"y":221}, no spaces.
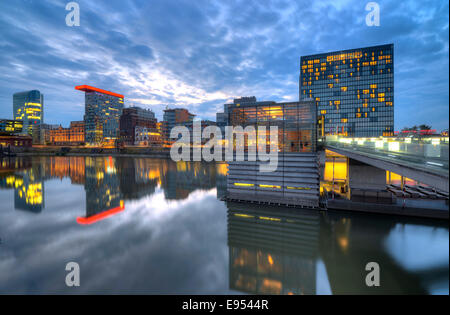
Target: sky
{"x":201,"y":54}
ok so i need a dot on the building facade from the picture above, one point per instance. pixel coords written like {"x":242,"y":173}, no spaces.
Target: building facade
{"x":296,"y":178}
{"x":147,"y":137}
{"x":138,"y":125}
{"x":11,"y":134}
{"x":354,"y":90}
{"x":102,"y":115}
{"x":72,"y":136}
{"x":296,"y":121}
{"x":221,"y":121}
{"x":15,"y":141}
{"x":41,"y":133}
{"x":9,"y":127}
{"x":28,"y":107}
{"x":175,"y":117}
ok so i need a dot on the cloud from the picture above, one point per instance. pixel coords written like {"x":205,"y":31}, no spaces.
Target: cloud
{"x":200,"y":54}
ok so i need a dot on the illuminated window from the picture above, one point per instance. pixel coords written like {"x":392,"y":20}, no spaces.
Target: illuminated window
{"x":243,"y":185}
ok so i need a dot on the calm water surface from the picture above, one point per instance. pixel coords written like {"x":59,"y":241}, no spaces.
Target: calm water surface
{"x":149,"y":226}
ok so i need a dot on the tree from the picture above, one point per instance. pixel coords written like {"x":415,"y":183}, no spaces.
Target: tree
{"x":425,"y":127}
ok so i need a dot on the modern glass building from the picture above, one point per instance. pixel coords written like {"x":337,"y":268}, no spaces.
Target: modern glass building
{"x":354,"y":90}
{"x":296,"y":178}
{"x":11,"y":127}
{"x":296,"y":121}
{"x":28,"y":107}
{"x":102,"y":115}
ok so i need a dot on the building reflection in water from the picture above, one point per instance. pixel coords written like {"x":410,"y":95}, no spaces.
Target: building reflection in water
{"x":182,"y":178}
{"x":348,"y":243}
{"x":221,"y":179}
{"x":102,"y":186}
{"x":138,"y":177}
{"x":275,"y":250}
{"x":26,"y":180}
{"x":109,"y":182}
{"x":272,"y":252}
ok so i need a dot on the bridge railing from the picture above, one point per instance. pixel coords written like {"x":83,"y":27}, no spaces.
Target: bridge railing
{"x":432,"y":153}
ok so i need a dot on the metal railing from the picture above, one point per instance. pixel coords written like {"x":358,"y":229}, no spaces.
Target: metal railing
{"x":427,"y":153}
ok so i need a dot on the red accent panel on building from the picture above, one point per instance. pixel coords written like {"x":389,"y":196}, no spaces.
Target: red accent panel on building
{"x":87,"y":88}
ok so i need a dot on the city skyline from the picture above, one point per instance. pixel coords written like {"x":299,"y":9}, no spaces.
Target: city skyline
{"x":211,"y":62}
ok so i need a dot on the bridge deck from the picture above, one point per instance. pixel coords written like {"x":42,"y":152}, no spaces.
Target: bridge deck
{"x":431,"y":169}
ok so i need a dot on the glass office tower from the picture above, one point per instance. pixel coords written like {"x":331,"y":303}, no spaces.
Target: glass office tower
{"x":102,"y":115}
{"x":28,"y":107}
{"x":354,"y":90}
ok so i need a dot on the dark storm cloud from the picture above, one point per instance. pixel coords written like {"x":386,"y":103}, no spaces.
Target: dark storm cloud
{"x":200,"y":54}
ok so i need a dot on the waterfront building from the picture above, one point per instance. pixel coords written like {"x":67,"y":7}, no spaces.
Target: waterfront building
{"x":102,"y":115}
{"x":175,"y":117}
{"x":296,"y":121}
{"x":221,"y":121}
{"x":77,"y":132}
{"x":16,"y":141}
{"x":72,"y":136}
{"x":11,"y":134}
{"x":296,"y":178}
{"x":147,"y":137}
{"x":41,"y":133}
{"x":354,"y":90}
{"x":10,"y":127}
{"x":138,"y":126}
{"x":28,"y":107}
